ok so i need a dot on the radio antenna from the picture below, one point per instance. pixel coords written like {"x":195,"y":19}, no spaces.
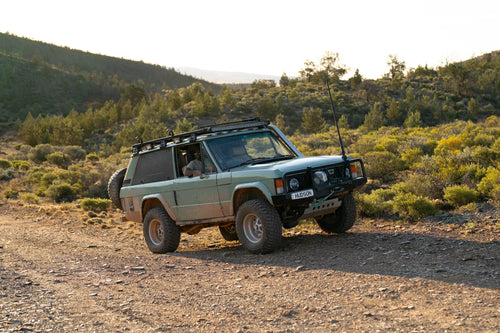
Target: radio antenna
{"x":344,"y":157}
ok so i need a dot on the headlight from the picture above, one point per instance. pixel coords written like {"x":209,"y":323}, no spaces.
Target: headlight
{"x":320,"y":177}
{"x":294,"y":184}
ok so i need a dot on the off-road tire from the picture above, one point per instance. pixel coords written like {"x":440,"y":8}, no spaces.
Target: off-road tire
{"x":114,"y":185}
{"x":160,"y":231}
{"x":258,"y":226}
{"x":229,"y":233}
{"x":342,"y":219}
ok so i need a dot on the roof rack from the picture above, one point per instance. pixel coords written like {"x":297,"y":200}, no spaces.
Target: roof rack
{"x":192,"y":135}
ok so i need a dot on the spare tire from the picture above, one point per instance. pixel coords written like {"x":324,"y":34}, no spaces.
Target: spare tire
{"x":114,"y":185}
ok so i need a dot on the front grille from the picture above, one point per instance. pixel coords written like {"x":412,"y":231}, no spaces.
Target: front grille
{"x":336,"y":174}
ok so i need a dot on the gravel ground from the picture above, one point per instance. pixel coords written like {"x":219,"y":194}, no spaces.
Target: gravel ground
{"x":66,"y":270}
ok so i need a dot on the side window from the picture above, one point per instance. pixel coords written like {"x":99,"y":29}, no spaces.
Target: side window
{"x":207,"y":161}
{"x":154,"y":166}
{"x":193,"y":160}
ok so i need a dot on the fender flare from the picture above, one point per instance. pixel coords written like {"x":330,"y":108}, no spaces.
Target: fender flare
{"x":163,"y":202}
{"x":254,"y":185}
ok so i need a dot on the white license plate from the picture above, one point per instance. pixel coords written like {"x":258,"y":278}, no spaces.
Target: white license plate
{"x":302,"y":194}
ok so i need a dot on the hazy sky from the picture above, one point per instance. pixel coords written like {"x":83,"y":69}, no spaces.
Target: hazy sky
{"x":264,"y":37}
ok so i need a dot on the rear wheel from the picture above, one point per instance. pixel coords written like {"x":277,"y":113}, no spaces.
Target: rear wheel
{"x":114,"y":185}
{"x":160,"y":231}
{"x":342,"y":219}
{"x":258,"y":226}
{"x":229,"y":233}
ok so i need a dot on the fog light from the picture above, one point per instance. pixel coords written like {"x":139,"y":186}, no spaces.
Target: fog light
{"x":294,"y":184}
{"x":320,"y":177}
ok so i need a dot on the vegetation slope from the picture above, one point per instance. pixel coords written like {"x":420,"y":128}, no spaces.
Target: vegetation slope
{"x":429,"y":136}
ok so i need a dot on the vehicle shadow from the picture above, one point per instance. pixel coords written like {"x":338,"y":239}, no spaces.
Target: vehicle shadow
{"x":405,"y":255}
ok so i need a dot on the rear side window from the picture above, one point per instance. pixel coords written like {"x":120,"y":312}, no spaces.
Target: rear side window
{"x":154,"y":166}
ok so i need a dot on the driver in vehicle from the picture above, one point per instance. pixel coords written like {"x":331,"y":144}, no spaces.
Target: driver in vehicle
{"x":195,"y":167}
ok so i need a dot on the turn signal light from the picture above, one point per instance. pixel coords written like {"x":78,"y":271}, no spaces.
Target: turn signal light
{"x":354,"y":174}
{"x":280,"y":189}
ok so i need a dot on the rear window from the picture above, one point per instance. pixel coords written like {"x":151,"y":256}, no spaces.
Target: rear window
{"x":154,"y":166}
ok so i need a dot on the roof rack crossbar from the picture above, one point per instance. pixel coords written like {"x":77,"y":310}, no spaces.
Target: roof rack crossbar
{"x":228,"y":126}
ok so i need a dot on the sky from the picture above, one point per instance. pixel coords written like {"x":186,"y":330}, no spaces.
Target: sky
{"x":268,"y":37}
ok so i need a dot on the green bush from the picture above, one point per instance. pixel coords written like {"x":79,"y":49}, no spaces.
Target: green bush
{"x":412,"y":207}
{"x":61,"y":193}
{"x":92,"y":157}
{"x":375,"y":204}
{"x":58,"y":159}
{"x":4,"y":164}
{"x":21,"y":165}
{"x":382,"y":165}
{"x":94,"y":204}
{"x":10,"y":194}
{"x":30,"y":198}
{"x":75,"y":153}
{"x":489,"y":181}
{"x":421,"y":185}
{"x":39,"y":153}
{"x":97,"y":191}
{"x":459,"y":195}
{"x":7,"y":174}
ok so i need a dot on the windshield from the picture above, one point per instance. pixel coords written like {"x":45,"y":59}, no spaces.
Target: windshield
{"x":252,"y":148}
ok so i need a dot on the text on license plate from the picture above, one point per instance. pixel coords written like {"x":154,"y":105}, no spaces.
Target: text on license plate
{"x":302,"y":194}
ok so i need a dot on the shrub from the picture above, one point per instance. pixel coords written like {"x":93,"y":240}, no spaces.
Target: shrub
{"x":374,"y":204}
{"x":421,"y":185}
{"x":21,"y":165}
{"x":75,"y":153}
{"x":4,"y":164}
{"x":10,"y":194}
{"x":382,"y":165}
{"x":58,"y":159}
{"x":97,"y":191}
{"x":39,"y":153}
{"x":7,"y":174}
{"x":30,"y":198}
{"x":92,"y":157}
{"x":61,"y":193}
{"x":489,"y":181}
{"x":459,"y":195}
{"x":94,"y":204}
{"x":412,"y":207}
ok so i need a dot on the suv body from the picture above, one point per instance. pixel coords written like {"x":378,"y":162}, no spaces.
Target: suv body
{"x":254,"y":182}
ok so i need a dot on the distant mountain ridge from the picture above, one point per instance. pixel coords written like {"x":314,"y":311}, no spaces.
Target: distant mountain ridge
{"x":222,"y":77}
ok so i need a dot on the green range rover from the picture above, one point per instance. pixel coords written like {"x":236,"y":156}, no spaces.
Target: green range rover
{"x":244,"y":177}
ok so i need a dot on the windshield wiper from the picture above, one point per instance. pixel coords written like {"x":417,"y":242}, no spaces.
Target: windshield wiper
{"x":260,"y":160}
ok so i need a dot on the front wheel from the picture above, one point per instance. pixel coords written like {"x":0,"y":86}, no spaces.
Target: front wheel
{"x":258,"y":226}
{"x":160,"y":231}
{"x":342,"y":219}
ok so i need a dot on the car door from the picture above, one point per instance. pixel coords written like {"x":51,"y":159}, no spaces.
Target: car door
{"x":197,"y":198}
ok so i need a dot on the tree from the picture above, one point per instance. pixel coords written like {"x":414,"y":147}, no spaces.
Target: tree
{"x":413,"y":120}
{"x":473,"y":106}
{"x":375,"y":118}
{"x":343,"y":122}
{"x":312,"y":120}
{"x":355,"y":80}
{"x":331,"y":67}
{"x":284,"y":80}
{"x":396,"y":67}
{"x":394,"y":113}
{"x":308,"y":71}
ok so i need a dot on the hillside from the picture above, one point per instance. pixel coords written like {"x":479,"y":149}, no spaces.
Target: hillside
{"x":43,"y":79}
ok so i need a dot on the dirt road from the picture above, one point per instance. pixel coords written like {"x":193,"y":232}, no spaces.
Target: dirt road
{"x":58,"y":274}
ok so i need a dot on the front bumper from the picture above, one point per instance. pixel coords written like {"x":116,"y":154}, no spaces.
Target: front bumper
{"x":320,"y":193}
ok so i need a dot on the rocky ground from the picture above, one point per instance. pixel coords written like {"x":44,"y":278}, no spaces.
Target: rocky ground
{"x":62,"y":269}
